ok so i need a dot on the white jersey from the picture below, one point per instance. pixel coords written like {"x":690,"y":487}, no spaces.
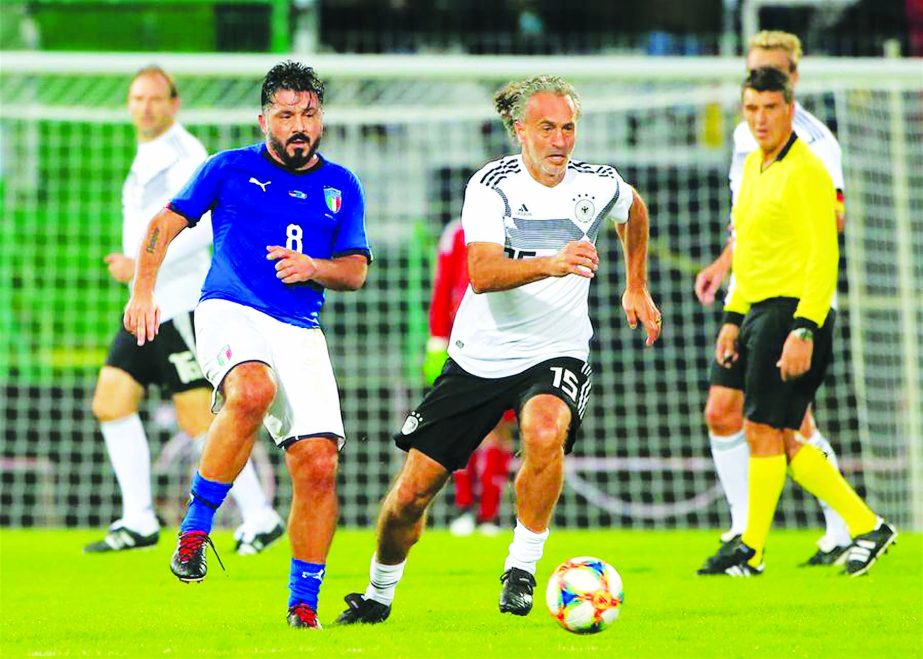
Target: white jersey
{"x":503,"y":333}
{"x":160,"y":169}
{"x":813,"y":132}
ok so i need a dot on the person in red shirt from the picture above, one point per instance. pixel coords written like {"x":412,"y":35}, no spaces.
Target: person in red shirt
{"x":487,"y":471}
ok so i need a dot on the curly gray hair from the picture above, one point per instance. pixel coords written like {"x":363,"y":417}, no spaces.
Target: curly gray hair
{"x":511,"y":99}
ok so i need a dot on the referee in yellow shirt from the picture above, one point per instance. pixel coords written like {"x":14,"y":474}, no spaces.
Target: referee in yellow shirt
{"x":779,"y":324}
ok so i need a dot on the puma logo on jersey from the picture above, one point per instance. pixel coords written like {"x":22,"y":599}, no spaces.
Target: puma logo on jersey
{"x":262,"y":185}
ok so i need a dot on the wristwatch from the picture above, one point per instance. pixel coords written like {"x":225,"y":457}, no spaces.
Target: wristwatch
{"x":803,"y":333}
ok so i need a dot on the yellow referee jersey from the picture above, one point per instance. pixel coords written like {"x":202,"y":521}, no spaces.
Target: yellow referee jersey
{"x":785,"y":242}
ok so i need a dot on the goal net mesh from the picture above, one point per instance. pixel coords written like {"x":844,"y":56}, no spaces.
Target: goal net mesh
{"x":643,"y":460}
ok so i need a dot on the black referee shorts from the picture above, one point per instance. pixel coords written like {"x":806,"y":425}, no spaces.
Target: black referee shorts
{"x":462,"y":408}
{"x":168,"y":361}
{"x":767,"y":399}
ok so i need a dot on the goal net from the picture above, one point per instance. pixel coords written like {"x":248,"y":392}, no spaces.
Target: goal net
{"x":414,"y":129}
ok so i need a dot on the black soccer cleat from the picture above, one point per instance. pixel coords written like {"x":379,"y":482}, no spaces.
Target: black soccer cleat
{"x":866,"y":548}
{"x":362,"y":610}
{"x":732,"y":560}
{"x":188,"y":562}
{"x":836,"y":556}
{"x":303,"y":616}
{"x":712,"y":563}
{"x":516,"y":595}
{"x":122,"y":538}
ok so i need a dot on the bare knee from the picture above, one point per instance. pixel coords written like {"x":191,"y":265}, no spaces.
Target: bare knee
{"x":249,"y":391}
{"x":407,"y":502}
{"x":724,"y":410}
{"x":313,"y":464}
{"x":117,"y":395}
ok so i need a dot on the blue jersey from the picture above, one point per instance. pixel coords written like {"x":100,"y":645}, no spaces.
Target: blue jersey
{"x":255,"y":203}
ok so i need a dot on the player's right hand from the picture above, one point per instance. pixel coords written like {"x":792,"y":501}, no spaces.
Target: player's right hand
{"x":726,"y":345}
{"x":708,"y":281}
{"x":436,"y":356}
{"x":578,"y":257}
{"x":142,"y":317}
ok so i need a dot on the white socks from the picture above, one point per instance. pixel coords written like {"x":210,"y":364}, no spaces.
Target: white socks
{"x":837,"y":534}
{"x":131,"y":461}
{"x":732,"y":455}
{"x":383,"y":580}
{"x":526,"y":548}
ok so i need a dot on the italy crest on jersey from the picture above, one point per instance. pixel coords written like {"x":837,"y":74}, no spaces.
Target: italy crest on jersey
{"x":334,"y":199}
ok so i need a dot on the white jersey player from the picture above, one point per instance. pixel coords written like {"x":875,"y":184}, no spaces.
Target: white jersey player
{"x":521,"y":335}
{"x":167,"y":156}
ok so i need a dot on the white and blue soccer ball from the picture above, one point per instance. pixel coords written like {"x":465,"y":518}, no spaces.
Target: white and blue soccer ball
{"x":584,"y":595}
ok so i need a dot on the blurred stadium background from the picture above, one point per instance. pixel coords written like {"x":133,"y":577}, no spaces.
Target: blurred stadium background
{"x":409,"y":86}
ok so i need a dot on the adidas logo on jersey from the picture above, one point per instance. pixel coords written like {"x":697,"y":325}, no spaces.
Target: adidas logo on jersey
{"x":524,"y":211}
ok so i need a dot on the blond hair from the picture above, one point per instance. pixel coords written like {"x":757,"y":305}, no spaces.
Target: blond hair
{"x":511,"y":99}
{"x":777,"y":40}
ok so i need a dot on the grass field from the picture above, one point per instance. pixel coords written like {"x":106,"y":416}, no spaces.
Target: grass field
{"x":57,"y":601}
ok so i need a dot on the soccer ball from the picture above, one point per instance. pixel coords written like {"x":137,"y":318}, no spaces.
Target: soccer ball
{"x":584,"y":595}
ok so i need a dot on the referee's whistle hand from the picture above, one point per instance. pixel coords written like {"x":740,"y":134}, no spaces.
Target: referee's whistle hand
{"x":726,"y":345}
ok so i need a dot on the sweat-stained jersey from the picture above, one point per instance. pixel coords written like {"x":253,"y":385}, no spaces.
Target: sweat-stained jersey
{"x":503,"y":333}
{"x":160,"y":168}
{"x":255,"y":202}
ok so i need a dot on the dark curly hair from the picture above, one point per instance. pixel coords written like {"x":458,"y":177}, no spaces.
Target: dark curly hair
{"x":293,"y":76}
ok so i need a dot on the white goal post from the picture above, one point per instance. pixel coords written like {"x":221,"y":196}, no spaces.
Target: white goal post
{"x":413,"y":128}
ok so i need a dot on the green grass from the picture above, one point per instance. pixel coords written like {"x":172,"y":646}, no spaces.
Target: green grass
{"x":56,"y":601}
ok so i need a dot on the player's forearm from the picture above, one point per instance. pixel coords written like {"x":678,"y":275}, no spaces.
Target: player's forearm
{"x":344,"y":273}
{"x":634,"y":235}
{"x":163,"y":228}
{"x":498,"y":272}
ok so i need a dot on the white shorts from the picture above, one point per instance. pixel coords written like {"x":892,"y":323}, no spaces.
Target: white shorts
{"x":306,"y":403}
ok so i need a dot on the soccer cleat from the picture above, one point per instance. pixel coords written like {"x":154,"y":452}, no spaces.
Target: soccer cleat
{"x":836,"y":556}
{"x":463,"y":525}
{"x":253,"y":543}
{"x":303,"y":616}
{"x":732,"y":560}
{"x":516,"y":595}
{"x":121,"y":538}
{"x":710,"y":566}
{"x":362,"y":610}
{"x":866,"y":548}
{"x":188,"y":562}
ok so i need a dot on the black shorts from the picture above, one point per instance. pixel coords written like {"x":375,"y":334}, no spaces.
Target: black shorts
{"x":169,"y":361}
{"x":767,"y":399}
{"x":462,"y":408}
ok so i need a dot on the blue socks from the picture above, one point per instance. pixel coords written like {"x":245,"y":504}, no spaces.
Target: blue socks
{"x":304,"y":582}
{"x":206,"y":497}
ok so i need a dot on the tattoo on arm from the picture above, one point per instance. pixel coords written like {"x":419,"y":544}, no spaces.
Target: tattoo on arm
{"x":152,"y":243}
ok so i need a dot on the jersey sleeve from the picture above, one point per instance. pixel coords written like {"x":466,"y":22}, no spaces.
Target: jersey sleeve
{"x":351,"y":236}
{"x":188,"y":242}
{"x":621,"y":201}
{"x":815,"y":194}
{"x":743,"y":145}
{"x":482,"y":214}
{"x":200,"y":193}
{"x":829,"y":152}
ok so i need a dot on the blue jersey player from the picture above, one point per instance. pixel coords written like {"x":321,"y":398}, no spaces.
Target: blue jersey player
{"x":288,"y":224}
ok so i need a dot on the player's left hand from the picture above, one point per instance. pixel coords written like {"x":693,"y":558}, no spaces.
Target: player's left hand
{"x":291,"y":267}
{"x":796,"y":358}
{"x":638,"y":306}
